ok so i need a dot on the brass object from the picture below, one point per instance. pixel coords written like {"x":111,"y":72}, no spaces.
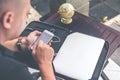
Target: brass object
{"x":66,"y":10}
{"x":105,"y":19}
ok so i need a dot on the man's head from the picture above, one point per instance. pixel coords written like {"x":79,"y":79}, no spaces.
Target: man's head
{"x":13,"y":14}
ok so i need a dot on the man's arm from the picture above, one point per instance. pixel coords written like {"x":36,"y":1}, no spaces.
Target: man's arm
{"x":26,"y":41}
{"x":43,"y":54}
{"x":47,"y":72}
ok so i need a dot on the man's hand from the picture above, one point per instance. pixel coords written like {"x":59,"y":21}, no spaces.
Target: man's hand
{"x":30,"y":39}
{"x":43,"y":54}
{"x":25,"y":41}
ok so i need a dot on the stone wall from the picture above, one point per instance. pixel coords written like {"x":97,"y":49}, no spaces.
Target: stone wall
{"x":81,"y":6}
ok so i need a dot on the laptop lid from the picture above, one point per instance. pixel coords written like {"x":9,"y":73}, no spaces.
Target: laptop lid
{"x":78,"y":56}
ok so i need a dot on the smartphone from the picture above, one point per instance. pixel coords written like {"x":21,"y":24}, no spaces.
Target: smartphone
{"x":46,"y":37}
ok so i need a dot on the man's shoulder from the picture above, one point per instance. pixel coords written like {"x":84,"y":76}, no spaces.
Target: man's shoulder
{"x":7,"y":63}
{"x":6,"y":52}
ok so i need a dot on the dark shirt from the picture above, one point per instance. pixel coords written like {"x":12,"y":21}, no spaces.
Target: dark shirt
{"x":11,"y":69}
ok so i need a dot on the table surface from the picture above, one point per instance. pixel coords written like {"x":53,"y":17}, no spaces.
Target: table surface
{"x":89,"y":26}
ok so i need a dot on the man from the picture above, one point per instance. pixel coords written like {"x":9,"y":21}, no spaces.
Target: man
{"x":13,"y":14}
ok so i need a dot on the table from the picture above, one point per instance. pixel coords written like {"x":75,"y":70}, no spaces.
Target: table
{"x":89,"y":26}
{"x":62,"y":33}
{"x":84,"y":25}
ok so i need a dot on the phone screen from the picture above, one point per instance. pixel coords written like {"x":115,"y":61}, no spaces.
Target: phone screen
{"x":46,"y":37}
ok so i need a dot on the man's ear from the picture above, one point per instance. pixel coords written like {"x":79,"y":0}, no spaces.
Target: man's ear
{"x":7,"y":19}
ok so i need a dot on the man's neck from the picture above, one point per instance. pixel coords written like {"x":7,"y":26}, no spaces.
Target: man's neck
{"x":2,"y":38}
{"x":10,"y":44}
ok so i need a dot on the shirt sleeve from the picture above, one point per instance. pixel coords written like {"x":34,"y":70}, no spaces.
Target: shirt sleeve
{"x":11,"y":69}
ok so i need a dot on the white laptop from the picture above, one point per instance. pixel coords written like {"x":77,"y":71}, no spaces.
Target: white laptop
{"x":78,"y":56}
